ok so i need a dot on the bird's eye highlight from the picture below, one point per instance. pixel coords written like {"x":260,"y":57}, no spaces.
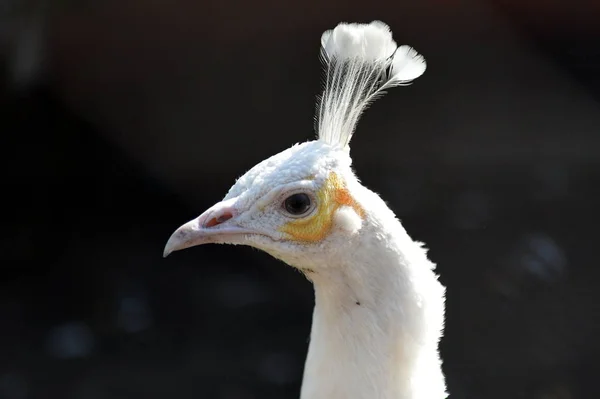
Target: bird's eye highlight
{"x":297,"y":204}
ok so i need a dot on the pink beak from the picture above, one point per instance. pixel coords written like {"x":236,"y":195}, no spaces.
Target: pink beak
{"x":216,"y":225}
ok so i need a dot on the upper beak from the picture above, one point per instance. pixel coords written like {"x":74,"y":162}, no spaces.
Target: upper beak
{"x":216,"y":225}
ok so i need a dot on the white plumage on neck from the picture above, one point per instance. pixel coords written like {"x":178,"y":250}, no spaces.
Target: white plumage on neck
{"x":378,"y":318}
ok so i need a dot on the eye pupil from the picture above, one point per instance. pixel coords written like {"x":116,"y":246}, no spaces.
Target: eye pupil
{"x":297,"y":204}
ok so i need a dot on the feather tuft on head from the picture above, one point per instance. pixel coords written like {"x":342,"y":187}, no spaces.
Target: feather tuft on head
{"x":361,"y":61}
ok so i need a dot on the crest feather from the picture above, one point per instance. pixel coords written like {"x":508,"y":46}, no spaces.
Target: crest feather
{"x":361,"y":61}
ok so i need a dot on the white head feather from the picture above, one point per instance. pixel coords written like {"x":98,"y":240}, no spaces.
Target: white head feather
{"x":361,"y":62}
{"x":379,"y":307}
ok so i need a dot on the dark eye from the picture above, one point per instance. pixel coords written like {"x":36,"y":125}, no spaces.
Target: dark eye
{"x":297,"y":204}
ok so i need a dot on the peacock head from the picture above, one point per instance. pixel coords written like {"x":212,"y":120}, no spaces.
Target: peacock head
{"x":296,"y":205}
{"x":304,"y":205}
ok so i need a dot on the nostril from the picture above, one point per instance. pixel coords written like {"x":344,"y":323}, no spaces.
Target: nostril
{"x":223,"y":217}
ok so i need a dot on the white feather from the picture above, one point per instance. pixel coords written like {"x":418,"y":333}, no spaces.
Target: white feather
{"x":379,"y":307}
{"x":361,"y":60}
{"x":347,"y":220}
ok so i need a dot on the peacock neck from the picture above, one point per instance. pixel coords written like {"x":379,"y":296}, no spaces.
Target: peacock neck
{"x":375,"y":333}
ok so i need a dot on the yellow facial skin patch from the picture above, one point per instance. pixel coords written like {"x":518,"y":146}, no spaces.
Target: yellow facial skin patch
{"x":316,"y":227}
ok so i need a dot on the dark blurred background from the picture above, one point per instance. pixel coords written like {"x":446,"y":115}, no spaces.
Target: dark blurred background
{"x":120,"y":120}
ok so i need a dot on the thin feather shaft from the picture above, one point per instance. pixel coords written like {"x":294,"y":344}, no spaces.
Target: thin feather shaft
{"x":361,"y":62}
